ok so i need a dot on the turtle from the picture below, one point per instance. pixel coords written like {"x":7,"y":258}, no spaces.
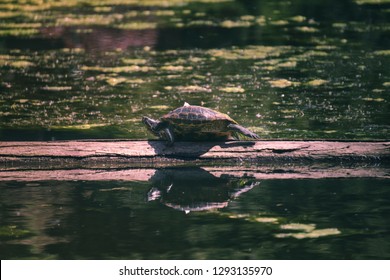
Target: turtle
{"x":195,"y":123}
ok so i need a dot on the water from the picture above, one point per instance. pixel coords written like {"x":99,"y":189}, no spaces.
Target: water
{"x":299,"y":70}
{"x":284,"y":69}
{"x":271,"y":219}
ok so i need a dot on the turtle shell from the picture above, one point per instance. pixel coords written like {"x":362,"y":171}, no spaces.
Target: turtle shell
{"x":196,"y":122}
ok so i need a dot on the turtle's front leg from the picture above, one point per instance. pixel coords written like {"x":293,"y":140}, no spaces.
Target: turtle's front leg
{"x":165,"y":132}
{"x":168,"y":133}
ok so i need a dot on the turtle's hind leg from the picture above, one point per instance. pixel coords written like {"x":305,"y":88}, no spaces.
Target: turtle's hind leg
{"x":243,"y":130}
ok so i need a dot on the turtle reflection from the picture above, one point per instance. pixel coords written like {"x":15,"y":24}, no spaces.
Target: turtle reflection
{"x":195,"y":189}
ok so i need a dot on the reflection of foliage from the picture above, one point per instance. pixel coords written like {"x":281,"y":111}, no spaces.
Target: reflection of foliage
{"x":13,"y":232}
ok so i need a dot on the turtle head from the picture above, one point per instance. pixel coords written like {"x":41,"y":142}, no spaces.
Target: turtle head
{"x":151,"y":125}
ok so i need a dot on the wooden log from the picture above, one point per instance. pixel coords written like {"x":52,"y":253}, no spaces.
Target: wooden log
{"x":95,"y":153}
{"x":146,"y":174}
{"x":140,"y":160}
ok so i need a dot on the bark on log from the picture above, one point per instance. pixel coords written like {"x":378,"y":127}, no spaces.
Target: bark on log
{"x":141,"y":153}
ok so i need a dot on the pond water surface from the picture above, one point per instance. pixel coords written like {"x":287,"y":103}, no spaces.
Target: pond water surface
{"x":285,"y":69}
{"x":274,"y":219}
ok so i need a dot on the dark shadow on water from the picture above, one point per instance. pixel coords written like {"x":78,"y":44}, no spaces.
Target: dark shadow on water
{"x":193,"y":149}
{"x":195,"y":189}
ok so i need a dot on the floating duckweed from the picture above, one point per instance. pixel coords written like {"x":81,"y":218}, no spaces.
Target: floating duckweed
{"x":200,"y":14}
{"x":298,"y":18}
{"x":325,"y":47}
{"x":8,"y":14}
{"x":134,"y":61}
{"x":79,"y":126}
{"x":313,"y":234}
{"x":251,"y":52}
{"x":261,"y":20}
{"x":279,"y":22}
{"x":159,"y":107}
{"x":96,"y":19}
{"x":238,"y":216}
{"x":299,"y":226}
{"x":365,"y":2}
{"x":309,"y":54}
{"x":193,"y":88}
{"x":104,"y":9}
{"x":24,"y":29}
{"x":307,"y":29}
{"x":247,"y":17}
{"x":232,"y":89}
{"x":266,"y":220}
{"x":13,"y":231}
{"x":382,"y":52}
{"x":19,"y":63}
{"x":281,"y":83}
{"x":373,"y":99}
{"x":340,"y":25}
{"x":288,"y":64}
{"x":119,"y":69}
{"x":18,"y":32}
{"x":175,"y":68}
{"x":164,"y":13}
{"x":140,"y":25}
{"x":135,"y":81}
{"x":316,"y":82}
{"x":201,"y":23}
{"x":57,"y":88}
{"x":22,"y":101}
{"x":290,"y":111}
{"x":234,"y":24}
{"x":307,"y":231}
{"x":115,"y":81}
